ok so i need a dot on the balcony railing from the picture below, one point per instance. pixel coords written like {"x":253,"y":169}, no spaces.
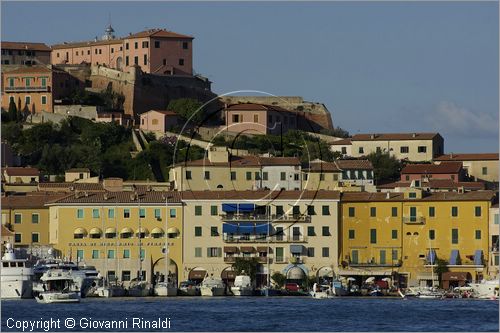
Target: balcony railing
{"x":395,"y":263}
{"x":414,"y":219}
{"x":265,"y":217}
{"x":27,"y":89}
{"x":232,"y":259}
{"x":263,"y":239}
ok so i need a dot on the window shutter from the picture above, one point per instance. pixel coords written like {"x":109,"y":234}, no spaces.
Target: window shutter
{"x":219,"y":252}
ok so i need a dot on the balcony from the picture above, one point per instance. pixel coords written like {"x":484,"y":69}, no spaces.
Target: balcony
{"x":263,"y":239}
{"x":413,"y":219}
{"x":265,"y":217}
{"x":232,"y":259}
{"x":27,"y":89}
{"x":395,"y":263}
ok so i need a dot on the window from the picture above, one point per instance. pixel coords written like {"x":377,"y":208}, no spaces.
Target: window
{"x":145,"y":59}
{"x":214,"y":232}
{"x":125,"y":275}
{"x":185,"y":45}
{"x":325,"y":210}
{"x":412,"y":195}
{"x":126,"y":254}
{"x":164,"y":62}
{"x":95,"y":213}
{"x":233,"y":175}
{"x":188,"y":175}
{"x":157,"y":44}
{"x":197,"y":210}
{"x":325,"y":252}
{"x":79,"y":254}
{"x":111,"y":254}
{"x":282,"y":175}
{"x":136,"y":45}
{"x":496,"y":219}
{"x":173,"y":212}
{"x":422,"y":149}
{"x":326,"y":231}
{"x":126,"y":61}
{"x":213,"y":252}
{"x":354,"y":256}
{"x":95,"y":254}
{"x":382,"y":257}
{"x":394,"y":211}
{"x":142,"y":254}
{"x":404,"y":149}
{"x":157,"y":213}
{"x":361,"y":150}
{"x":432,"y":234}
{"x":321,"y":176}
{"x":136,"y":60}
{"x":18,"y":218}
{"x":197,"y":231}
{"x":79,"y":213}
{"x":352,"y":212}
{"x":255,"y":118}
{"x":373,"y":236}
{"x":310,"y":252}
{"x":249,"y":175}
{"x":145,"y":44}
{"x":100,"y":51}
{"x":197,"y":252}
{"x":213,"y":210}
{"x":257,"y":175}
{"x":454,"y":211}
{"x":394,"y":234}
{"x":35,"y":237}
{"x":279,"y":233}
{"x":44,"y":100}
{"x":265,"y":175}
{"x":11,"y":81}
{"x":27,"y":100}
{"x":142,"y":212}
{"x":296,"y":210}
{"x":207,"y":175}
{"x":88,"y":52}
{"x":126,"y":213}
{"x":17,"y":238}
{"x":373,"y":211}
{"x":279,"y":254}
{"x":35,"y":218}
{"x":454,"y":236}
{"x":394,"y":254}
{"x":485,"y":171}
{"x":432,"y":211}
{"x":477,"y":211}
{"x":496,"y":260}
{"x":352,"y":234}
{"x":27,"y":81}
{"x":112,"y":50}
{"x":181,"y":62}
{"x":343,"y":150}
{"x":306,"y":176}
{"x":478,"y":234}
{"x":310,"y":231}
{"x":310,"y":210}
{"x":413,"y":214}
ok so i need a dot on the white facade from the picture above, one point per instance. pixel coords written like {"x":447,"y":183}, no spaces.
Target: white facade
{"x":279,"y":177}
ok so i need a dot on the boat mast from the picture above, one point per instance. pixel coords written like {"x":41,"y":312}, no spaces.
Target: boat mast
{"x":105,"y":246}
{"x":140,"y":238}
{"x":167,"y":261}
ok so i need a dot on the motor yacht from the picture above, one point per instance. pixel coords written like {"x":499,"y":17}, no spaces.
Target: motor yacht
{"x":212,"y":286}
{"x":189,"y":288}
{"x":242,"y":286}
{"x":16,"y":276}
{"x":322,"y":291}
{"x":58,"y":287}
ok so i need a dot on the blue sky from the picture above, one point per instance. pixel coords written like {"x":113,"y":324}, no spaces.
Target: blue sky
{"x":378,"y":67}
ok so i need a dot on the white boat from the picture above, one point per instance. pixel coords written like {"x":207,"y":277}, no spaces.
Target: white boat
{"x":108,"y":289}
{"x":430,"y":293}
{"x":15,"y":276}
{"x":189,"y":288}
{"x":139,"y":288}
{"x":322,"y":291}
{"x":58,"y":287}
{"x":486,"y":289}
{"x":165,"y":289}
{"x":212,"y":287}
{"x":242,"y":286}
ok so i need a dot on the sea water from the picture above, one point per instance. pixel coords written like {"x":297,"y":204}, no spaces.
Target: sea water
{"x":252,"y":314}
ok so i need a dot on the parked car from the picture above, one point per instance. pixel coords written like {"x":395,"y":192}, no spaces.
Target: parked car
{"x":292,"y":287}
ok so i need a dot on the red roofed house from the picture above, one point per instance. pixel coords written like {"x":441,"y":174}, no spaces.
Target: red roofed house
{"x":160,"y":121}
{"x":481,"y":167}
{"x":25,"y":53}
{"x":21,"y":175}
{"x":452,"y":170}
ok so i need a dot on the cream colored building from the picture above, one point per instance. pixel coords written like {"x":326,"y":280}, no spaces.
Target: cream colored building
{"x":21,"y":175}
{"x":409,"y":146}
{"x":221,"y":226}
{"x":493,"y":263}
{"x":76,"y":175}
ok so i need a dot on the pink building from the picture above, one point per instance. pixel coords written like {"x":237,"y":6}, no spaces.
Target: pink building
{"x":160,"y":121}
{"x":156,"y":51}
{"x":251,"y":118}
{"x":451,"y":170}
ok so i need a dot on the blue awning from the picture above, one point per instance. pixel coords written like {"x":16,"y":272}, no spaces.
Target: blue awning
{"x":478,"y":257}
{"x":229,"y":207}
{"x":296,"y":248}
{"x":454,"y":257}
{"x":246,"y":207}
{"x":229,"y":228}
{"x":431,"y":257}
{"x":246,"y":228}
{"x":263,"y":228}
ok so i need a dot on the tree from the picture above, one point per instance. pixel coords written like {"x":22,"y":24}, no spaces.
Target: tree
{"x":337,"y":132}
{"x":12,"y":111}
{"x":385,"y":167}
{"x":440,"y":268}
{"x":187,"y":108}
{"x":248,"y":266}
{"x":279,"y":279}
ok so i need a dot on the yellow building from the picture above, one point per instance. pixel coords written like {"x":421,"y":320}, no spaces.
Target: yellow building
{"x":493,"y":262}
{"x":383,"y":233}
{"x":112,"y":230}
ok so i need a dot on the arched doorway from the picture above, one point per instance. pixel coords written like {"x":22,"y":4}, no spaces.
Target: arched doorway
{"x":325,"y":275}
{"x":119,"y":63}
{"x":228,"y":275}
{"x":197,"y":274}
{"x":159,"y":271}
{"x":295,"y":273}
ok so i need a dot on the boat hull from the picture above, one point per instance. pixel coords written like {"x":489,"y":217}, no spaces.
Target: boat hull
{"x":242,"y":291}
{"x":212,"y":291}
{"x":47,"y":297}
{"x":321,"y":295}
{"x":165,"y":291}
{"x":16,"y":289}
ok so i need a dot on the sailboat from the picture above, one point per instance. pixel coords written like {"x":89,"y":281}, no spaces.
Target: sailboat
{"x":167,"y":287}
{"x":432,"y":292}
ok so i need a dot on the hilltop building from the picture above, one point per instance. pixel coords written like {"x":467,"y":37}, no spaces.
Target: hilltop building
{"x":25,"y":53}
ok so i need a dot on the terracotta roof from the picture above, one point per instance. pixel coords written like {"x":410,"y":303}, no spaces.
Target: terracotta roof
{"x":434,"y":196}
{"x":165,"y":112}
{"x":264,"y":195}
{"x":438,"y":184}
{"x":354,"y":164}
{"x":123,"y":197}
{"x":25,"y":46}
{"x":67,"y":45}
{"x":342,"y":142}
{"x":68,"y":187}
{"x":321,"y":167}
{"x":162,"y":33}
{"x":393,"y":136}
{"x":451,"y":167}
{"x":468,"y":157}
{"x":17,"y":171}
{"x":28,"y":201}
{"x":255,"y":107}
{"x":29,"y":69}
{"x":244,"y":161}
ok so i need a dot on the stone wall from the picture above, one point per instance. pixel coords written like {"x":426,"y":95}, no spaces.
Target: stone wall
{"x":82,"y":111}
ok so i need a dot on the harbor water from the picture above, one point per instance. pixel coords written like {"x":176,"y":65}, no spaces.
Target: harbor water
{"x":257,"y":314}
